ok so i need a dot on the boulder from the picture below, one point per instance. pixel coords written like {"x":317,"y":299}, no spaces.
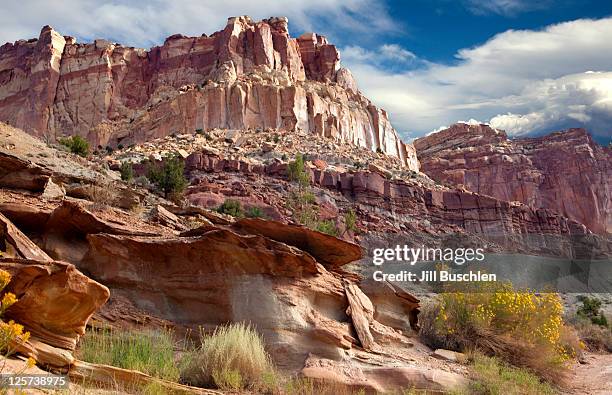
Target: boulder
{"x":55,"y":300}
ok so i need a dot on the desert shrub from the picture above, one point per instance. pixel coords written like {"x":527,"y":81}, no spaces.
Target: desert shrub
{"x":523,"y":328}
{"x":127,"y":171}
{"x":101,"y":195}
{"x":595,"y":337}
{"x":327,"y":227}
{"x":148,"y":351}
{"x":169,"y":177}
{"x":255,"y":212}
{"x":297,"y":172}
{"x":350,"y":220}
{"x":591,"y":310}
{"x":231,"y":207}
{"x":492,"y":376}
{"x":233,"y":357}
{"x":76,"y":144}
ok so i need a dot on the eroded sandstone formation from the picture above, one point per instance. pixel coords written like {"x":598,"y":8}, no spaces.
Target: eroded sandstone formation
{"x":566,"y":171}
{"x":248,"y":75}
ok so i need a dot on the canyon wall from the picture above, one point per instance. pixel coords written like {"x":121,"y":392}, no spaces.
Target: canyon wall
{"x":248,"y":75}
{"x":565,"y":171}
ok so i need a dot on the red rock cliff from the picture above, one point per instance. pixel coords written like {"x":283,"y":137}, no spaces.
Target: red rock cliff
{"x":248,"y":75}
{"x":564,"y":171}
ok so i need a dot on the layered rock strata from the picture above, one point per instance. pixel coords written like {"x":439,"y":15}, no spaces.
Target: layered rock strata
{"x":565,"y":171}
{"x":248,"y":75}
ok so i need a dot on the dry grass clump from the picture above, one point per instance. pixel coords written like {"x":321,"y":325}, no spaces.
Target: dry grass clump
{"x":492,"y":376}
{"x":596,"y":338}
{"x":148,"y":351}
{"x":101,"y":195}
{"x":232,"y":358}
{"x":520,"y":327}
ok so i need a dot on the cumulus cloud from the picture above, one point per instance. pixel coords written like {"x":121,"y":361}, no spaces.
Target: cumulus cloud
{"x":147,"y":22}
{"x":520,"y":80}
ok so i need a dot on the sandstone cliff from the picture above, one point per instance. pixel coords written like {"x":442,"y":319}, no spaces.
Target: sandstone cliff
{"x":248,"y":75}
{"x":565,"y":171}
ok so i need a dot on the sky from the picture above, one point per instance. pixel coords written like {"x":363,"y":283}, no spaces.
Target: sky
{"x":527,"y":67}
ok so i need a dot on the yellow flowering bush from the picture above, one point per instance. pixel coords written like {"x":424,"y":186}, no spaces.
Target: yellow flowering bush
{"x":10,"y":332}
{"x":519,"y":326}
{"x":529,"y":316}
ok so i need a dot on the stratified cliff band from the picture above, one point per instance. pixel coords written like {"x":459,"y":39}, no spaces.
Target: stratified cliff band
{"x":248,"y":75}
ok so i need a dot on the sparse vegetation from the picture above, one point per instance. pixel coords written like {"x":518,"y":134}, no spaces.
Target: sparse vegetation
{"x":148,"y":351}
{"x":522,"y":328}
{"x":169,"y":177}
{"x":297,"y":172}
{"x":76,"y":144}
{"x":232,"y":358}
{"x":327,"y":227}
{"x":594,"y":337}
{"x":231,"y":207}
{"x":591,"y":310}
{"x":350,"y":220}
{"x":492,"y":376}
{"x":302,"y":201}
{"x":127,"y":171}
{"x":101,"y":195}
{"x":255,"y":212}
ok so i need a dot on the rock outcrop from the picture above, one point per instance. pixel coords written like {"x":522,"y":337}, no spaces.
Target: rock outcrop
{"x":54,"y":300}
{"x":565,"y":171}
{"x":248,"y":75}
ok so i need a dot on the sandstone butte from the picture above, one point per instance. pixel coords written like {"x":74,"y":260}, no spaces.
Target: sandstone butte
{"x":566,"y":171}
{"x":248,"y":75}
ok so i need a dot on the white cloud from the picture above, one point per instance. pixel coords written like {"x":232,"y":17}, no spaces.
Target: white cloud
{"x":147,"y":22}
{"x":519,"y":80}
{"x":504,"y":7}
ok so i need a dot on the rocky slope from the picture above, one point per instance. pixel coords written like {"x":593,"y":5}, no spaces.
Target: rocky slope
{"x":250,"y":75}
{"x":565,"y":171}
{"x":197,"y":268}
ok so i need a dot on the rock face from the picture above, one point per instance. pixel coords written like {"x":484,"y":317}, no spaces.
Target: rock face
{"x":565,"y":171}
{"x":248,"y":75}
{"x":444,"y":209}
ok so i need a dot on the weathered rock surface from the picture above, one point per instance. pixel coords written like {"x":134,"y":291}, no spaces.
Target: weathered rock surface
{"x":55,"y":300}
{"x":328,"y":250}
{"x":438,"y":209}
{"x":248,"y":75}
{"x":14,"y":244}
{"x":565,"y":171}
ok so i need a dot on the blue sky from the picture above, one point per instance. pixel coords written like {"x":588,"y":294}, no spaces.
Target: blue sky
{"x":527,"y":67}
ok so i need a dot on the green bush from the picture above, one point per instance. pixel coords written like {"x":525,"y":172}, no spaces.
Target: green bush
{"x":255,"y":212}
{"x":350,"y":220}
{"x":231,"y":207}
{"x":297,"y":172}
{"x":591,"y":310}
{"x":169,"y":177}
{"x":127,"y":171}
{"x":232,"y":358}
{"x":148,"y":351}
{"x":327,"y":227}
{"x":76,"y":144}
